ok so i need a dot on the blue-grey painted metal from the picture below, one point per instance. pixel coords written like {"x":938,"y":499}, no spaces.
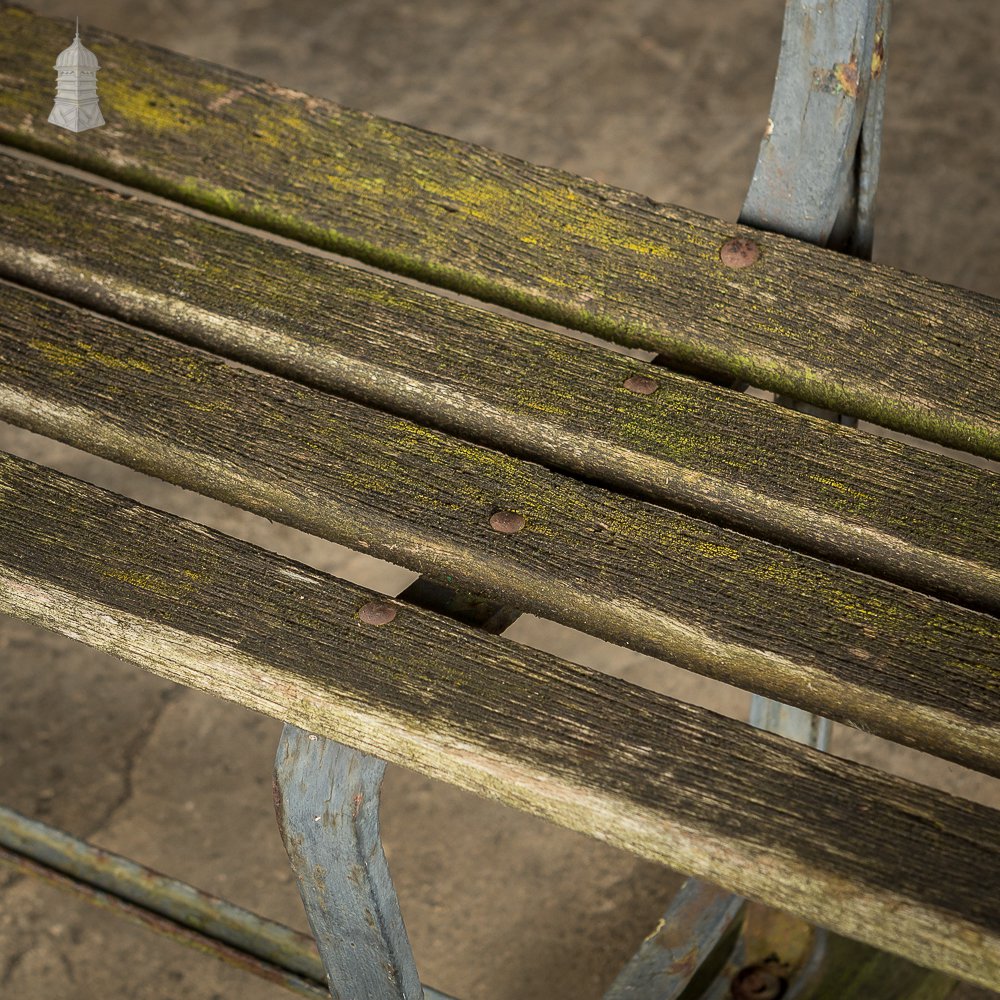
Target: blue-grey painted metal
{"x":869,"y":155}
{"x":327,"y":800}
{"x":696,"y":922}
{"x":786,"y":720}
{"x":805,"y":173}
{"x":280,"y":954}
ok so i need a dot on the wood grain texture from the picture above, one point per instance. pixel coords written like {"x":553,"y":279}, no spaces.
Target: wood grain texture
{"x":918,"y":519}
{"x":837,"y":332}
{"x":842,"y":644}
{"x":836,"y":842}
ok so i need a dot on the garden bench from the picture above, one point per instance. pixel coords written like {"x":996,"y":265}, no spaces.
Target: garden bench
{"x":819,"y":566}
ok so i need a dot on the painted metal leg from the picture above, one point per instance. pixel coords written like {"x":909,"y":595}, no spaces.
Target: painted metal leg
{"x":327,"y":801}
{"x":695,"y":924}
{"x":808,"y":152}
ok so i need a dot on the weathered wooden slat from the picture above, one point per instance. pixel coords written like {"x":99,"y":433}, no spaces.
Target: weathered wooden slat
{"x":857,"y":338}
{"x":912,"y":517}
{"x":906,"y":666}
{"x":843,"y":845}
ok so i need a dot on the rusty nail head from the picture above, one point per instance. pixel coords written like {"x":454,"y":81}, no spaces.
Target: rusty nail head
{"x":506,"y":522}
{"x":758,"y":982}
{"x":737,"y":253}
{"x":377,"y":613}
{"x":641,"y":385}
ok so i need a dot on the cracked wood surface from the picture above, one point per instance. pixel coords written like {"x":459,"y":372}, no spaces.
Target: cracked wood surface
{"x":903,"y":665}
{"x":838,"y":843}
{"x":858,"y":338}
{"x":916,"y":518}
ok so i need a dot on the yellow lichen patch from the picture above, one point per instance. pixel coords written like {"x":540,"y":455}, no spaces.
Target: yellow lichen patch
{"x":217,"y":406}
{"x":149,"y":583}
{"x":147,"y":106}
{"x":536,"y":214}
{"x":191,"y":367}
{"x":83,"y":353}
{"x":712,"y":550}
{"x":218,"y":199}
{"x":279,"y":130}
{"x":848,"y":496}
{"x":56,"y":354}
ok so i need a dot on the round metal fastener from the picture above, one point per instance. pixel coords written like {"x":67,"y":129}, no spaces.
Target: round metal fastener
{"x":758,"y":982}
{"x":641,"y":385}
{"x":506,"y":522}
{"x":376,"y":613}
{"x":739,"y":253}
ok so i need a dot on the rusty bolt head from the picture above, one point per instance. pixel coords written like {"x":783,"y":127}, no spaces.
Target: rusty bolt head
{"x":641,"y":385}
{"x":376,"y":613}
{"x":758,"y":982}
{"x":739,"y":253}
{"x":506,"y":522}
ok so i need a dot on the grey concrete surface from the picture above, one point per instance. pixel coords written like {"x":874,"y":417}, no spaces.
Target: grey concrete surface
{"x":666,"y":98}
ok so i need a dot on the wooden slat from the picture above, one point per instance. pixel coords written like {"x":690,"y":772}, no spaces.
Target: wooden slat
{"x":906,"y":666}
{"x":915,"y":518}
{"x":841,"y":844}
{"x":815,"y":325}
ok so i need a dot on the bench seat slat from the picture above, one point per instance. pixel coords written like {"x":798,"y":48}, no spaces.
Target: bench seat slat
{"x":868,"y":653}
{"x":919,"y":519}
{"x":862,"y":339}
{"x":841,"y":844}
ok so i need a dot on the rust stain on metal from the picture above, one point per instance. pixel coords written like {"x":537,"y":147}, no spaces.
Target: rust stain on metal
{"x":506,"y":522}
{"x":847,"y":76}
{"x":279,"y":805}
{"x":377,"y":613}
{"x":842,"y":79}
{"x":641,"y":385}
{"x":687,"y":965}
{"x":739,"y":252}
{"x":878,"y":55}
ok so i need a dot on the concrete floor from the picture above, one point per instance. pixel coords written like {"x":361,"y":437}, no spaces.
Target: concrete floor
{"x":663,"y":98}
